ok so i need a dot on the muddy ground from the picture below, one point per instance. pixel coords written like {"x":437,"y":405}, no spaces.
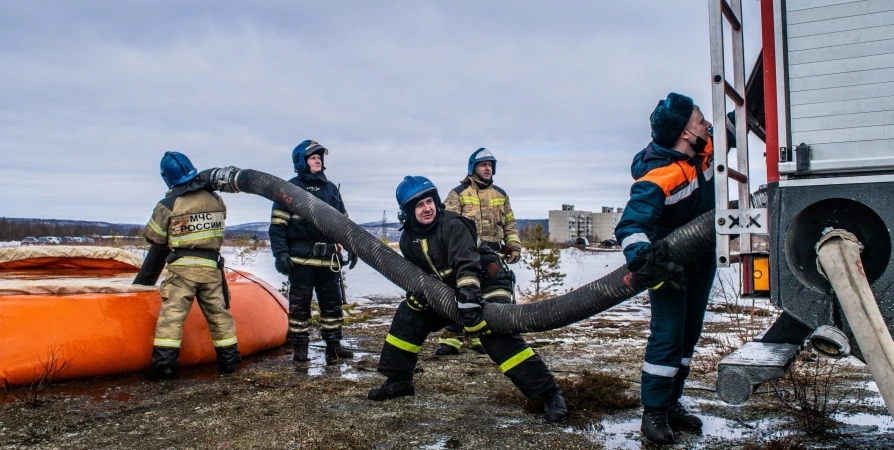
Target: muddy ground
{"x":461,"y":402}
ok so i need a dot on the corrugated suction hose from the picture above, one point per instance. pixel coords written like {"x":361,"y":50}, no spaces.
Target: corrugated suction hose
{"x":687,"y":243}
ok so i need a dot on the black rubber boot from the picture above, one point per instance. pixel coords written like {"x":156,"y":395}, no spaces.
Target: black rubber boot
{"x":300,"y":353}
{"x":227,"y":358}
{"x":164,"y":363}
{"x":444,"y":350}
{"x":655,"y":426}
{"x":300,"y":342}
{"x":392,"y":389}
{"x":475,"y":345}
{"x":680,"y":418}
{"x":554,"y":403}
{"x":335,"y":352}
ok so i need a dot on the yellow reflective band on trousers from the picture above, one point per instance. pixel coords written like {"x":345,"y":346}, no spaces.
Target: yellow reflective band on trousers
{"x":176,"y":241}
{"x":519,"y":358}
{"x":469,"y":200}
{"x":225,"y":342}
{"x":453,"y":342}
{"x":173,"y":343}
{"x":280,"y":214}
{"x":278,"y":221}
{"x":402,"y":344}
{"x":194,"y":261}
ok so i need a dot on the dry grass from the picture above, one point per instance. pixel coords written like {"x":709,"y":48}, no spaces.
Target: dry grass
{"x":785,"y":443}
{"x":588,"y":396}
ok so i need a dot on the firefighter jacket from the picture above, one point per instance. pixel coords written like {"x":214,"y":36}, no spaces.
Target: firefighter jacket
{"x":670,"y":190}
{"x":192,"y":218}
{"x":292,"y":233}
{"x":447,"y":250}
{"x":488,"y":205}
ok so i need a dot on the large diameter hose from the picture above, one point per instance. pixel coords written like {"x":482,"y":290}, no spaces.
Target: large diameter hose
{"x":838,"y":258}
{"x":687,"y":243}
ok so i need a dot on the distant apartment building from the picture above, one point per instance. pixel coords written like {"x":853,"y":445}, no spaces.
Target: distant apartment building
{"x":567,"y":225}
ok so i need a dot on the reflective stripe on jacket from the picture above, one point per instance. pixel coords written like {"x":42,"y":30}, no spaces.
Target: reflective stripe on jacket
{"x":670,"y":190}
{"x":447,"y":250}
{"x":488,"y":206}
{"x":292,"y":233}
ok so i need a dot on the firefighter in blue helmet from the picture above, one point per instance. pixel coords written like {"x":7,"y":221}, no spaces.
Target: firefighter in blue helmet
{"x":195,"y":267}
{"x":443,"y":244}
{"x":310,"y":259}
{"x":478,"y":198}
{"x":674,"y":184}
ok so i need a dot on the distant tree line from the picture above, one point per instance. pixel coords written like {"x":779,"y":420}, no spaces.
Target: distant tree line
{"x":14,"y":229}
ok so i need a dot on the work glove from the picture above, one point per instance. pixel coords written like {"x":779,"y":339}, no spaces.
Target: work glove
{"x":471,"y":314}
{"x":473,"y":321}
{"x":351,"y":260}
{"x":283,"y":263}
{"x":511,"y":252}
{"x":653,"y":269}
{"x":417,"y":301}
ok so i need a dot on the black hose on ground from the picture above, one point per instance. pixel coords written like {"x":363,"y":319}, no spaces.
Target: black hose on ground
{"x":687,"y":243}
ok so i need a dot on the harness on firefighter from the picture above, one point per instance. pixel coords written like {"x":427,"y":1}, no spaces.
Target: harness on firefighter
{"x":203,"y":253}
{"x":492,"y":248}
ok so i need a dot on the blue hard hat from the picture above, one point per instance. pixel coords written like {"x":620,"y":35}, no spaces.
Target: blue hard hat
{"x":303,"y":151}
{"x":482,"y":154}
{"x":411,"y":190}
{"x":176,"y":169}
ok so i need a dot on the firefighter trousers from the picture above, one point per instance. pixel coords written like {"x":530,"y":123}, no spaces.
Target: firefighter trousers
{"x":177,"y":293}
{"x":303,"y":281}
{"x":676,"y":325}
{"x":516,"y":359}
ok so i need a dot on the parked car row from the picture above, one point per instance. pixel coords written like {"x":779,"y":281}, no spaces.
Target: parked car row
{"x":53,"y":240}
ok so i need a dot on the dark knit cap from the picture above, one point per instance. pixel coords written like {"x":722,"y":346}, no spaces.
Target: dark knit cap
{"x":670,"y":118}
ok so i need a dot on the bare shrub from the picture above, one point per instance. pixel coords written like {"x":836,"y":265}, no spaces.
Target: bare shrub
{"x":746,"y":320}
{"x":814,"y":391}
{"x":245,"y":249}
{"x":50,"y":368}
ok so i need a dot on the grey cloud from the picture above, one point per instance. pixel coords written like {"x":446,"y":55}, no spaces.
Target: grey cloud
{"x":95,"y":92}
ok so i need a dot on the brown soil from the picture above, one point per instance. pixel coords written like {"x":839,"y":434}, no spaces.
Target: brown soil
{"x":461,"y":402}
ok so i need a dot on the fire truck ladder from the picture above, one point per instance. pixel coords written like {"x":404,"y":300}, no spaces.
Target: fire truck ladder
{"x":743,"y":220}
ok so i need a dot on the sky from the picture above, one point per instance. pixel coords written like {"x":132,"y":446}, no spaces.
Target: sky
{"x":92,"y":93}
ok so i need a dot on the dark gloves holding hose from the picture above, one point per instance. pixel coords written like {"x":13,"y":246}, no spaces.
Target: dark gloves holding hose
{"x":351,"y":260}
{"x":471,"y":312}
{"x":652,"y":268}
{"x":283,"y":263}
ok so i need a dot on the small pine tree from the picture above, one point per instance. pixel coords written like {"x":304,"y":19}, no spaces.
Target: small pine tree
{"x":542,"y":257}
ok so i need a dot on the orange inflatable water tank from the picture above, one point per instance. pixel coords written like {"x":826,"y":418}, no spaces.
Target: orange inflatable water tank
{"x":76,"y":305}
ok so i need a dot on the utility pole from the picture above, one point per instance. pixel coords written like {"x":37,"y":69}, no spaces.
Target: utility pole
{"x":384,"y":231}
